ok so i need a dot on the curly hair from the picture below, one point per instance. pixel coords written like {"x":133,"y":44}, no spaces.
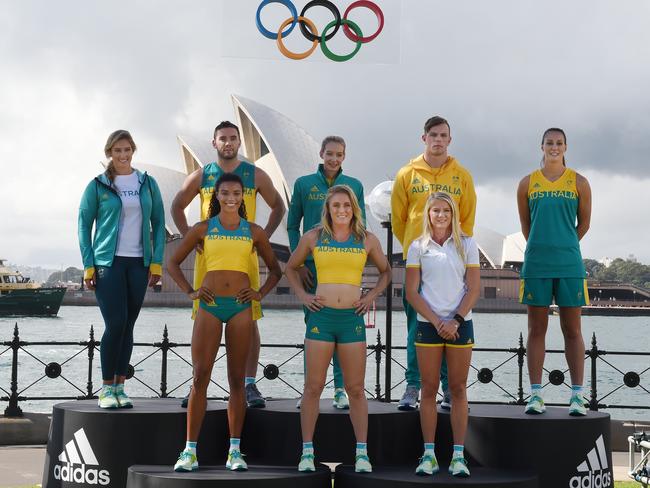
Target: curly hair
{"x":215,"y":206}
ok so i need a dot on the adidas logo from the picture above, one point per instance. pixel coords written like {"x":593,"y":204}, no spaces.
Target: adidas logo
{"x":416,"y":181}
{"x":314,"y":188}
{"x":315,"y":330}
{"x":211,"y":178}
{"x":537,"y":185}
{"x":596,"y":471}
{"x":74,"y":462}
{"x":529,"y":296}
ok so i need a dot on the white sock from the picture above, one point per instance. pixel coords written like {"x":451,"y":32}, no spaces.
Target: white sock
{"x":234,"y":444}
{"x":191,"y":446}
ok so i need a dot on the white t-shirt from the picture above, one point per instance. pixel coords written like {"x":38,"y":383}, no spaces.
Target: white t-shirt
{"x":129,"y":239}
{"x":443,"y":273}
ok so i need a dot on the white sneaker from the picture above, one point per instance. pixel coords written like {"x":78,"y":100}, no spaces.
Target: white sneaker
{"x":362,"y":464}
{"x":236,"y":462}
{"x":107,"y":398}
{"x":306,"y":463}
{"x":340,"y":400}
{"x":186,"y":461}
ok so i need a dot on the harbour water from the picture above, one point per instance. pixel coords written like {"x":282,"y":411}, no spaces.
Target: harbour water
{"x":614,"y":334}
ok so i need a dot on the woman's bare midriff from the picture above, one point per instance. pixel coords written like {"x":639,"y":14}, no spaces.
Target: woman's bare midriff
{"x":337,"y":295}
{"x":225,"y":283}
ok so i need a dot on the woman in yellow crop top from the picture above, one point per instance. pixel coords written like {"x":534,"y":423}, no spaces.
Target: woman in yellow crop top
{"x":225,"y":296}
{"x":340,"y":246}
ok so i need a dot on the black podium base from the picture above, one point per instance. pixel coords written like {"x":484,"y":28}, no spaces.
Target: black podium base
{"x":213,"y":476}
{"x":563,"y":450}
{"x":88,"y":446}
{"x":403,"y":477}
{"x":272,"y":435}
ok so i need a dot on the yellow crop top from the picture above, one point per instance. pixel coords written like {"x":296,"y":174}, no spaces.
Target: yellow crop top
{"x":339,"y":262}
{"x":228,"y":250}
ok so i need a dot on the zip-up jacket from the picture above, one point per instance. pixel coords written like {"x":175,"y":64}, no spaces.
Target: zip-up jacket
{"x":101,"y":205}
{"x":414,"y":183}
{"x":308,"y":198}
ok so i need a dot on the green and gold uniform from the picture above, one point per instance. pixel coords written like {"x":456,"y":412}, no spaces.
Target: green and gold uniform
{"x":211,"y":173}
{"x":553,"y":266}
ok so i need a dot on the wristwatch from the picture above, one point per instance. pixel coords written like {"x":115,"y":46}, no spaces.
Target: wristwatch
{"x":460,"y":319}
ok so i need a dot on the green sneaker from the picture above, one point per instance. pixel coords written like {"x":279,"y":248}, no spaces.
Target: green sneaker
{"x":186,"y":462}
{"x":458,"y":468}
{"x":362,"y":464}
{"x":577,"y":406}
{"x":306,"y":463}
{"x":535,"y":405}
{"x":236,"y":462}
{"x":428,"y":465}
{"x":340,"y":400}
{"x":107,"y":397}
{"x":122,"y":398}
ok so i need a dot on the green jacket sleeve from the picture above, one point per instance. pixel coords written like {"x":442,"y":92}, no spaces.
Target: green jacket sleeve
{"x":87,"y":216}
{"x":362,"y":204}
{"x":157,"y":223}
{"x":295,"y":216}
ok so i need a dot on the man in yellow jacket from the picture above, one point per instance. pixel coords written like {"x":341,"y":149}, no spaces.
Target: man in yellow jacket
{"x":430,"y":172}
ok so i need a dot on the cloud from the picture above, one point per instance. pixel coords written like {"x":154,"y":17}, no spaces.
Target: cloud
{"x":500,"y":71}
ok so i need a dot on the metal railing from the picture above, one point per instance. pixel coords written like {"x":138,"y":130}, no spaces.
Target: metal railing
{"x":383,"y":359}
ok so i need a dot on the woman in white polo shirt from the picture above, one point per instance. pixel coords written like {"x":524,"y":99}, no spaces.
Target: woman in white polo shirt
{"x":443,"y":284}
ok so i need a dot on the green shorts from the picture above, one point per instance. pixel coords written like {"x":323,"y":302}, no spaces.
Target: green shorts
{"x":540,"y":292}
{"x":427,"y":336}
{"x":338,"y":325}
{"x":224,"y":308}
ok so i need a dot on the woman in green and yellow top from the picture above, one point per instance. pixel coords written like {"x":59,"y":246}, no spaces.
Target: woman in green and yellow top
{"x":555,"y":210}
{"x":307,"y":200}
{"x":340,"y":247}
{"x":225,"y":297}
{"x":124,"y":255}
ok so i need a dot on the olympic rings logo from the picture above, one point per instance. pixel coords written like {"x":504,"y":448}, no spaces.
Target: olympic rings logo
{"x":309,"y":30}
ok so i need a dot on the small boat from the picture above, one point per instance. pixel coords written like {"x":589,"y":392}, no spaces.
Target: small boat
{"x":21,"y":296}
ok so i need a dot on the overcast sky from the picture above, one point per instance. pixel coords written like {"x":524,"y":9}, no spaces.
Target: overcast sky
{"x":500,"y":72}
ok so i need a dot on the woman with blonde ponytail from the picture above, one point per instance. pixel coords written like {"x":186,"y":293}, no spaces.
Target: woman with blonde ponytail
{"x":442,"y":285}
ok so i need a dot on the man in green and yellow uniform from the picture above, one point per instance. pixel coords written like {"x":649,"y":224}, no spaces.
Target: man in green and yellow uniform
{"x":431,"y":172}
{"x":201,"y":182}
{"x":306,"y":205}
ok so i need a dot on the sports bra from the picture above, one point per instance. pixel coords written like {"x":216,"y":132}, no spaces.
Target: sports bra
{"x":228,"y":250}
{"x":339,"y":262}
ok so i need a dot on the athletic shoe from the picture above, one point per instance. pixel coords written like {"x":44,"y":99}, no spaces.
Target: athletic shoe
{"x":362,"y":464}
{"x":123,"y":399}
{"x":577,"y":406}
{"x":306,"y":463}
{"x":445,"y":404}
{"x":535,"y":405}
{"x":107,"y":398}
{"x":299,"y":402}
{"x":458,"y":467}
{"x":186,"y":461}
{"x":236,"y":461}
{"x":340,"y":399}
{"x":254,"y":398}
{"x":428,"y":465}
{"x":186,"y":399}
{"x":409,"y":400}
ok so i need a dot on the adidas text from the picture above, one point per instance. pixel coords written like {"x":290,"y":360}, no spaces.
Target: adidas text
{"x":592,"y":480}
{"x":80,"y":474}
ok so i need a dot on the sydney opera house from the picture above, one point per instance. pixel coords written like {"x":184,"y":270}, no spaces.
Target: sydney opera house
{"x":285,"y":151}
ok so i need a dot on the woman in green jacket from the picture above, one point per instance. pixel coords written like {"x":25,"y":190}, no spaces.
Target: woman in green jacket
{"x":124,"y":255}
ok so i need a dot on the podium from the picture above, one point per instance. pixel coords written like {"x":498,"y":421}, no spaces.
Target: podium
{"x":136,"y":448}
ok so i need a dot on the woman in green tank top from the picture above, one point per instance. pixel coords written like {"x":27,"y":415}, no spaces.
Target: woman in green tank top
{"x":554,"y":209}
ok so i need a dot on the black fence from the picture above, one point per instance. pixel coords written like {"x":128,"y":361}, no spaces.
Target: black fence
{"x":378,"y":353}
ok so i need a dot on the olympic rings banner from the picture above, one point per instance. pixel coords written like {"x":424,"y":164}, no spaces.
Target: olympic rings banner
{"x":248,"y":29}
{"x":317,"y":36}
